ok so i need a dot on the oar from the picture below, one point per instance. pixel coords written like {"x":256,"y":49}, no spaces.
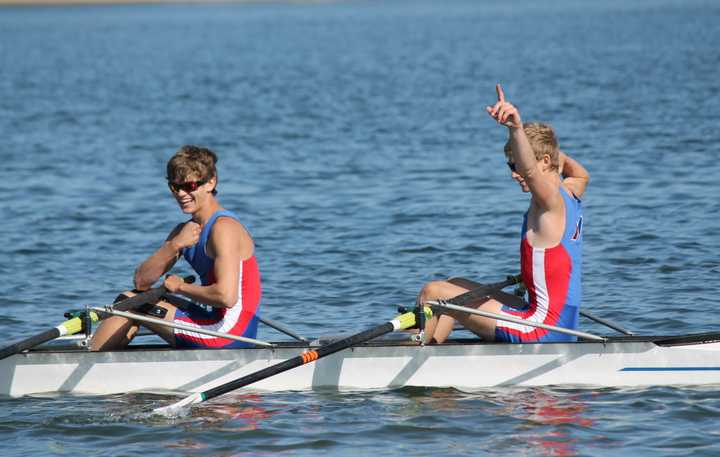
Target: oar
{"x":605,"y":322}
{"x":401,"y":322}
{"x":74,"y":325}
{"x":445,"y":305}
{"x":281,"y":328}
{"x":515,"y":301}
{"x":152,"y":320}
{"x":483,"y":290}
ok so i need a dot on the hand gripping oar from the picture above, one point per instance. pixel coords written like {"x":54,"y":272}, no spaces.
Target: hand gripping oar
{"x":401,"y":322}
{"x":74,"y":325}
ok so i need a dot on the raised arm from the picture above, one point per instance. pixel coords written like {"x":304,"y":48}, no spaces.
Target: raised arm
{"x":575,"y":176}
{"x":544,"y":191}
{"x":162,"y":260}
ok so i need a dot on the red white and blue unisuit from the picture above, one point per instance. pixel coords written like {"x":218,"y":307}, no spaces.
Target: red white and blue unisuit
{"x":239,"y":320}
{"x":553,"y":280}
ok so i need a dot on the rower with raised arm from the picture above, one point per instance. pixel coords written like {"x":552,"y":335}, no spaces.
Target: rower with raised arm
{"x":550,"y":247}
{"x":219,"y":249}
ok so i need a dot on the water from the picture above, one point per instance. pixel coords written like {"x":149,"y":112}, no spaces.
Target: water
{"x":353,"y":143}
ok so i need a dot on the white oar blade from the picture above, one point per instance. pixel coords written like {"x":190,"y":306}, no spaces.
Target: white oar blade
{"x":179,"y":408}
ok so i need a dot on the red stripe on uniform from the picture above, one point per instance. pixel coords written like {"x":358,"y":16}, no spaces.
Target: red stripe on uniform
{"x":555,"y":279}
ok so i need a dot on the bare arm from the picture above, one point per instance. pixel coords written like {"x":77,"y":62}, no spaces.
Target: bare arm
{"x":575,"y":176}
{"x":162,"y":260}
{"x":544,"y":192}
{"x":229,"y":243}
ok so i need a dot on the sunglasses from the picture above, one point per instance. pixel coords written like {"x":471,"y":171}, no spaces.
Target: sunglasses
{"x":511,"y":166}
{"x":190,"y":186}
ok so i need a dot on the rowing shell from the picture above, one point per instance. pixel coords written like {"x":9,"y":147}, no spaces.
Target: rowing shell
{"x":463,"y":364}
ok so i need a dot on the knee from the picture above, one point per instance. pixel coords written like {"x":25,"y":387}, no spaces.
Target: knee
{"x":432,"y":290}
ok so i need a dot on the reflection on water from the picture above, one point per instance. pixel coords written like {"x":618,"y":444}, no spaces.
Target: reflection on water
{"x":354,"y":143}
{"x":535,"y":421}
{"x":543,"y":408}
{"x":244,"y":413}
{"x":550,"y":422}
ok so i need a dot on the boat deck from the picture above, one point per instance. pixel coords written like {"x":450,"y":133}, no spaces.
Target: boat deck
{"x":404,"y":341}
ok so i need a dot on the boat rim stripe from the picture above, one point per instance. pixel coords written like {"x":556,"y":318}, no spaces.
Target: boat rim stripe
{"x":670,"y":369}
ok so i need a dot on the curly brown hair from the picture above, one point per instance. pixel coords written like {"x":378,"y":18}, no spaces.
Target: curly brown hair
{"x":192,"y":162}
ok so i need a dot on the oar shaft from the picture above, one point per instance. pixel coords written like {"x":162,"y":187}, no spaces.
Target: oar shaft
{"x":401,"y":322}
{"x":302,"y":359}
{"x":281,"y":328}
{"x":605,"y":322}
{"x":31,"y":342}
{"x":500,"y":317}
{"x":74,"y":325}
{"x":480,"y":291}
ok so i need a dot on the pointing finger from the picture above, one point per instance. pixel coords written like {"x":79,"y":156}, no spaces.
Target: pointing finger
{"x":500,"y":93}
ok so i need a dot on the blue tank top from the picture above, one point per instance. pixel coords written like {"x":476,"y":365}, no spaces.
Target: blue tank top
{"x":553,"y":280}
{"x":196,"y":255}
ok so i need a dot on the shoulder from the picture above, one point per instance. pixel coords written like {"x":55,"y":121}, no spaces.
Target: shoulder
{"x":571,"y":193}
{"x":229,"y":232}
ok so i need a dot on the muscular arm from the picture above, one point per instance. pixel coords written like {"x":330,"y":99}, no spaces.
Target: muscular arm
{"x":545,"y":192}
{"x":229,"y":244}
{"x":162,"y":260}
{"x":575,"y":176}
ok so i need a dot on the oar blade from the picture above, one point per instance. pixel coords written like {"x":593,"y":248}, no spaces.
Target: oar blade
{"x":401,"y":322}
{"x":180,"y":408}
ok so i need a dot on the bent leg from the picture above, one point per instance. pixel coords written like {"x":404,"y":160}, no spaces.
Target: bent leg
{"x":440,"y":326}
{"x":117,"y":332}
{"x":482,"y":326}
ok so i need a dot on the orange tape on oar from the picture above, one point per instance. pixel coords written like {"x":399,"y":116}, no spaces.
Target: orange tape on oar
{"x":401,"y":322}
{"x":309,"y":357}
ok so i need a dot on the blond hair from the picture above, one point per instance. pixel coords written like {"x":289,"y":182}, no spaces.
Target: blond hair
{"x":543,"y":142}
{"x":192,"y":161}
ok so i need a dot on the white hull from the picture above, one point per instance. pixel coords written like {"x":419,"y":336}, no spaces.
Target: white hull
{"x":631,"y":361}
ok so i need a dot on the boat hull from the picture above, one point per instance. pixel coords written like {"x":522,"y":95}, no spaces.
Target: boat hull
{"x":378,"y":365}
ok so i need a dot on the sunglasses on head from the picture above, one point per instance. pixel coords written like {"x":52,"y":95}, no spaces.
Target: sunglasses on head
{"x":189,"y":186}
{"x":511,"y":166}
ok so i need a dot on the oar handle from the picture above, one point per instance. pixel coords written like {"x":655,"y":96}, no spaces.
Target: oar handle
{"x":150,"y":295}
{"x":482,"y":291}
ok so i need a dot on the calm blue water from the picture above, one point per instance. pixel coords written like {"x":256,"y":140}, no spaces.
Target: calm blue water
{"x":354,"y":143}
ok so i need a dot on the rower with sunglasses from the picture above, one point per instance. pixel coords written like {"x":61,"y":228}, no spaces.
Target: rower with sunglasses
{"x":550,"y":247}
{"x":218,"y":248}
